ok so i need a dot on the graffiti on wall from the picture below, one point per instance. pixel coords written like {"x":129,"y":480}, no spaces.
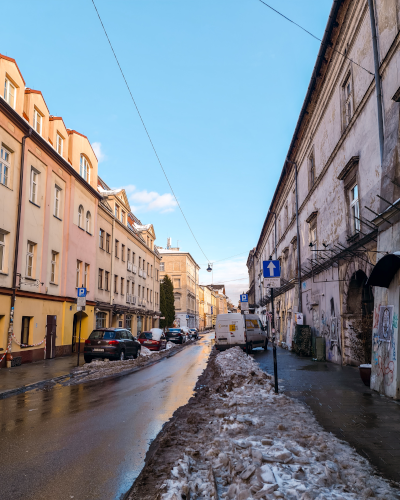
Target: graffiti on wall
{"x":330,"y":330}
{"x":385,"y":323}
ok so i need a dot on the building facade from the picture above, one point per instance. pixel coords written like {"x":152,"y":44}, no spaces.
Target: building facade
{"x":184,"y":273}
{"x":325,"y":222}
{"x":128,"y":263}
{"x":48,"y":180}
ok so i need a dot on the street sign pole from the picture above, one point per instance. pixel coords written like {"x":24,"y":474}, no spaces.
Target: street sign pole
{"x":81,"y":303}
{"x":273,"y":343}
{"x":79,"y":343}
{"x":272,"y":279}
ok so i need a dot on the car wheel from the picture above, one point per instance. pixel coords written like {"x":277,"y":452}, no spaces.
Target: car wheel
{"x":122,"y":355}
{"x":137,"y":354}
{"x":87,"y":360}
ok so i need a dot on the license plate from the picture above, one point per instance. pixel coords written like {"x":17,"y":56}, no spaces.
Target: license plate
{"x":98,"y":350}
{"x":149,"y":343}
{"x":222,"y":341}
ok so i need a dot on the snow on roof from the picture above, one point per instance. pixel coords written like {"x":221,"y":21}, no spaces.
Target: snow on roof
{"x":107,"y":192}
{"x":140,"y":227}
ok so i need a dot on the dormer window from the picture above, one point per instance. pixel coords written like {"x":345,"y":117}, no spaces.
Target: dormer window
{"x":84,"y":169}
{"x":59,"y":144}
{"x":10,"y":93}
{"x":37,"y":121}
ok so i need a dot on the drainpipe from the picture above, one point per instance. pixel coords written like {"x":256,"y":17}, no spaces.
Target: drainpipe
{"x":300,"y":307}
{"x":378,"y":85}
{"x":16,"y":249}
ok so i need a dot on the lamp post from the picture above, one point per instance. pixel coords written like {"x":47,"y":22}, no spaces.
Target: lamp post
{"x":211,"y":270}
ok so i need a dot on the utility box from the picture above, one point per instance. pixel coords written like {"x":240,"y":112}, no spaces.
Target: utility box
{"x":320,"y":348}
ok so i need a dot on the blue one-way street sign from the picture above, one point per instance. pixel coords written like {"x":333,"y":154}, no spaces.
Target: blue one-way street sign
{"x":271,"y":269}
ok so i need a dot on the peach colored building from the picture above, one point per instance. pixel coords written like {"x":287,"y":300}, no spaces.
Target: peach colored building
{"x":48,"y":210}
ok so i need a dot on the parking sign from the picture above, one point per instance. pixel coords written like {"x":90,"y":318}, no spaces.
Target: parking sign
{"x":81,"y":292}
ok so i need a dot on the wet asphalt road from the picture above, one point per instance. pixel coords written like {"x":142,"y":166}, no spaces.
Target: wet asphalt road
{"x":89,"y":441}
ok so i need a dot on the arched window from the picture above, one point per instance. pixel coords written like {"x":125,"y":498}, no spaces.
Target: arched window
{"x":80,"y":216}
{"x":84,"y":168}
{"x":88,"y":221}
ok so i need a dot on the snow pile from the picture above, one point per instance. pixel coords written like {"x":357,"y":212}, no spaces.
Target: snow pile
{"x":259,"y":445}
{"x":146,"y":352}
{"x":170,"y":345}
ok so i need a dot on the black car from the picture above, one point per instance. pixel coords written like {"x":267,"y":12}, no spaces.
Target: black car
{"x":111,"y":343}
{"x":176,"y":335}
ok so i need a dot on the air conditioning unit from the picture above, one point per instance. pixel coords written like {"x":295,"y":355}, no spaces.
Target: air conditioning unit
{"x":129,"y":266}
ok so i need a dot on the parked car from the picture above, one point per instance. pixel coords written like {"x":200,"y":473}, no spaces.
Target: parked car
{"x":111,"y":343}
{"x":176,"y":335}
{"x":243,"y":330}
{"x":187,"y":331}
{"x":154,"y":340}
{"x":194,"y":334}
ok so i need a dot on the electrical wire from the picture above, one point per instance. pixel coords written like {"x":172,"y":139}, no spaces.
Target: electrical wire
{"x":226,"y":258}
{"x":309,"y":33}
{"x":228,"y":281}
{"x":145,"y":128}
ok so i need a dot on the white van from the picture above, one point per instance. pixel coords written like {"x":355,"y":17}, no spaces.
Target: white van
{"x":243,"y":330}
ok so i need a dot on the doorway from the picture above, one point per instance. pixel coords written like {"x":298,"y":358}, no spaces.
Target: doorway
{"x":51,"y":329}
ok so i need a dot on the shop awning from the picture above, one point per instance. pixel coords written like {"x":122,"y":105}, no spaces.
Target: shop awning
{"x":384,"y":270}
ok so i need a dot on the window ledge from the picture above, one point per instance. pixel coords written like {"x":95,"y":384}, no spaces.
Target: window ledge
{"x":101,"y":248}
{"x":58,"y":218}
{"x":29,"y":278}
{"x":3,"y":273}
{"x":1,"y":184}
{"x":90,"y":234}
{"x":81,"y":228}
{"x":52,"y":283}
{"x":30,"y":201}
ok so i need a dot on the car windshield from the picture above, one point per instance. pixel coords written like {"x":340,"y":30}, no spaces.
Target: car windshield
{"x":101,"y":334}
{"x":193,"y":329}
{"x":174,"y":330}
{"x":146,"y":335}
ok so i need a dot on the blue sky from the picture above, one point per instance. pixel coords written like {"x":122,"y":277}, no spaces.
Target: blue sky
{"x":219,"y":85}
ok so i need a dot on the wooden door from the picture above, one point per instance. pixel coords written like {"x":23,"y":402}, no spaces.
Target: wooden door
{"x":51,"y":337}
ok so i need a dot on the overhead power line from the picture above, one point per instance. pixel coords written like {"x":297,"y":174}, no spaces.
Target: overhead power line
{"x":145,"y":128}
{"x":317,"y":38}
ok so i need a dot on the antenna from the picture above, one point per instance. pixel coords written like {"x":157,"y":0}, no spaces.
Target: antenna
{"x":168,"y":243}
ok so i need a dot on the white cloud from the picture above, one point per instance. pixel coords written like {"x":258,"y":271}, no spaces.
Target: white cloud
{"x":98,"y":152}
{"x":149,"y":201}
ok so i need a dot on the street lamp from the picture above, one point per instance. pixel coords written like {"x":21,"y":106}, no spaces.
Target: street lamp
{"x":210,"y":269}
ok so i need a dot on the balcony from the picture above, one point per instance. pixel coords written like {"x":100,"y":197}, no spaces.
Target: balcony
{"x":133,"y":299}
{"x":140,"y":272}
{"x":128,"y":298}
{"x":129,"y":266}
{"x":134,"y":269}
{"x":144,"y":274}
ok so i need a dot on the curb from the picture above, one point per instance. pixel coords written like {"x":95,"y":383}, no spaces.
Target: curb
{"x":55,"y":380}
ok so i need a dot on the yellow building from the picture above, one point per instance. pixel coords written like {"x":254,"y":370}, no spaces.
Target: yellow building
{"x":184,"y":273}
{"x":202,"y":319}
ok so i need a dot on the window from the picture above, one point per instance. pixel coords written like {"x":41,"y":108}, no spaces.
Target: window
{"x":106,"y":280}
{"x":313,"y":236}
{"x":162,"y":266}
{"x":151,"y":267}
{"x":348,"y":100}
{"x":80,"y":216}
{"x":128,"y":322}
{"x":34,"y":186}
{"x":4,"y":166}
{"x":311,"y":161}
{"x":57,"y":199}
{"x":86,"y":276}
{"x":53,"y":270}
{"x":116,"y":211}
{"x":78,"y":273}
{"x":37,"y":121}
{"x":107,"y":243}
{"x":84,"y":169}
{"x":133,"y":257}
{"x":148,"y":269}
{"x":59,"y":144}
{"x":144,"y":264}
{"x":157,"y":274}
{"x":26,"y":320}
{"x":116,"y":248}
{"x":177,"y":283}
{"x":128,"y":257}
{"x":88,"y":221}
{"x":355,"y":209}
{"x":115,"y":283}
{"x":122,"y":217}
{"x":2,"y":251}
{"x":138,"y":289}
{"x":140,"y":261}
{"x":147,"y":294}
{"x":30,"y":259}
{"x":101,"y":318}
{"x":123,"y":253}
{"x":100,"y":280}
{"x":177,"y":302}
{"x":122,"y":286}
{"x":101,"y":238}
{"x":10,"y":93}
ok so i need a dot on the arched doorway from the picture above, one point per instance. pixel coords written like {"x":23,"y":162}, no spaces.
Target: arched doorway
{"x":75,"y":329}
{"x":360,"y":307}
